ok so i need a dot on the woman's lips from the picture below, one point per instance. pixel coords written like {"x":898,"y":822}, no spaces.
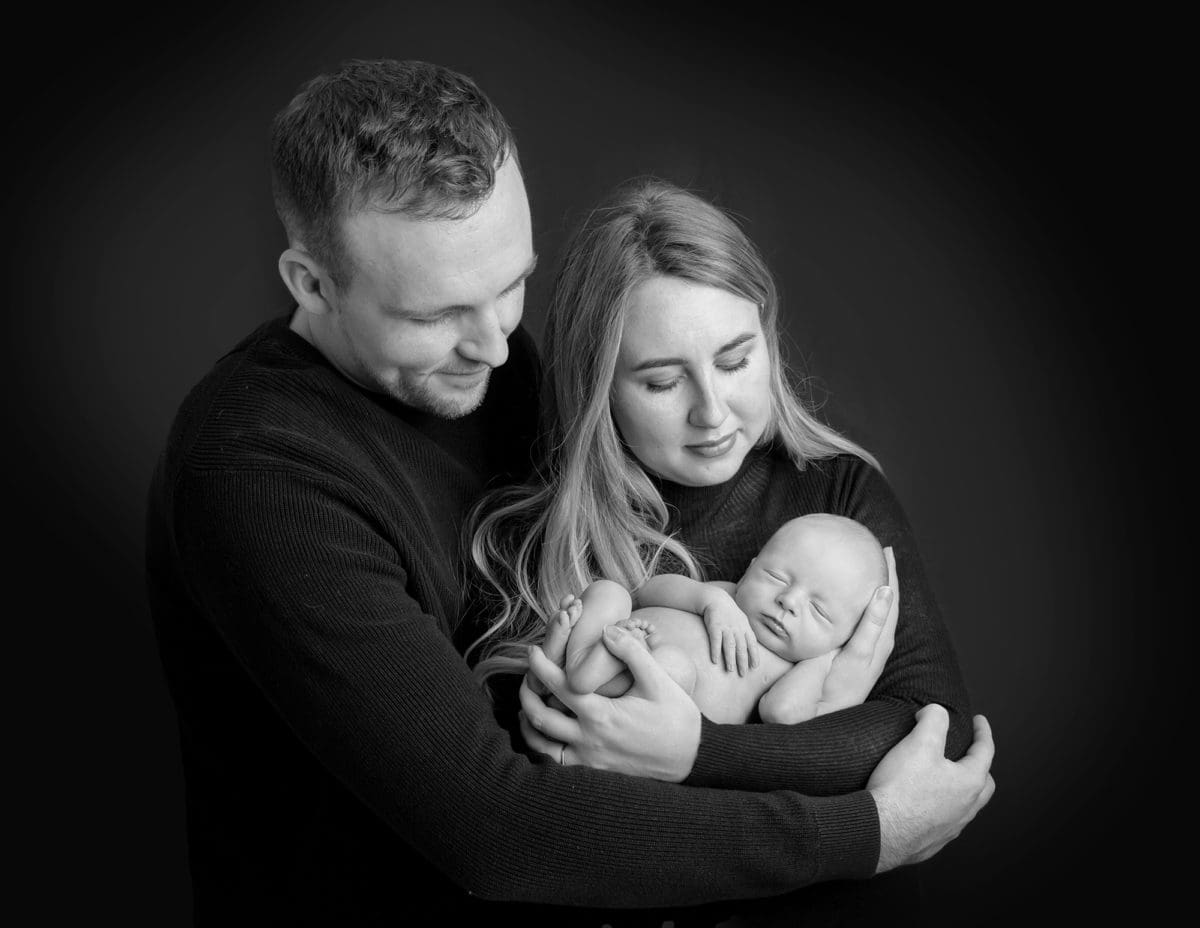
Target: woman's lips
{"x":715,"y":448}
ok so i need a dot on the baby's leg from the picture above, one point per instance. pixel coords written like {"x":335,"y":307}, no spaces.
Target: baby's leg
{"x":589,"y":665}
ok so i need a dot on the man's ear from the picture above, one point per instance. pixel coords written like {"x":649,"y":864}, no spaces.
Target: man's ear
{"x":306,"y":279}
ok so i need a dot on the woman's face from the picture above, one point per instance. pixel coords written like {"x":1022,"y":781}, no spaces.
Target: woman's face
{"x":691,"y":388}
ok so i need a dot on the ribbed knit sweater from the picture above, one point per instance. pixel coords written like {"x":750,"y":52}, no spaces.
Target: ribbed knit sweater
{"x":725,"y":526}
{"x":341,"y":765}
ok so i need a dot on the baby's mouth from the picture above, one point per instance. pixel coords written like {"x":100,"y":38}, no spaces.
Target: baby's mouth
{"x":775,"y":625}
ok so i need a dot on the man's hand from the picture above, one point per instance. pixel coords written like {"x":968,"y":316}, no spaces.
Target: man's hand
{"x":924,"y":800}
{"x":858,"y":665}
{"x":653,"y":730}
{"x":730,"y":639}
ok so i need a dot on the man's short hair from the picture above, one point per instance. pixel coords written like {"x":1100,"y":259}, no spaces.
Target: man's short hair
{"x":403,"y":136}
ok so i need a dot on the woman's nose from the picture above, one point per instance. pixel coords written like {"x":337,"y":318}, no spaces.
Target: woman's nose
{"x":709,"y":410}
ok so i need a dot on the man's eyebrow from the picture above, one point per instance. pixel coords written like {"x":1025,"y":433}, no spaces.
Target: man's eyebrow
{"x":679,"y":362}
{"x":529,"y":269}
{"x":397,"y":311}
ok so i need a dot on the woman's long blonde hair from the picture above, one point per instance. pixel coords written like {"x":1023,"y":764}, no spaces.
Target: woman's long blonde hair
{"x":590,"y":511}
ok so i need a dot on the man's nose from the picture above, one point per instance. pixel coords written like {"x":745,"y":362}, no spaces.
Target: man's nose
{"x":484,"y":338}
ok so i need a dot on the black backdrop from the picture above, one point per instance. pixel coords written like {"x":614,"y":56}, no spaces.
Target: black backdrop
{"x":947,"y":201}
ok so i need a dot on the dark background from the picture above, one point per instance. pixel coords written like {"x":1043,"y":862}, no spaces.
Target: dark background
{"x":952,"y":206}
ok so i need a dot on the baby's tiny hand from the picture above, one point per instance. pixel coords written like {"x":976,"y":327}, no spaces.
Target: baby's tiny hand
{"x":730,"y":638}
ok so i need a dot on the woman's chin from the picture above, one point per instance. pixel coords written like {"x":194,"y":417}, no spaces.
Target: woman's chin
{"x":696,"y":471}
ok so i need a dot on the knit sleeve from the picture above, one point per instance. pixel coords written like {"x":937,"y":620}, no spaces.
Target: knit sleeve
{"x":314,"y":603}
{"x":836,"y":753}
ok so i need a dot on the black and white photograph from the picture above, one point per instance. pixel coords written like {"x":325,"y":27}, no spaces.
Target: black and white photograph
{"x":598,"y":464}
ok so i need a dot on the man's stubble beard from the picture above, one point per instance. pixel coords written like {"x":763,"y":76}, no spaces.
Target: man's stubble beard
{"x":430,"y":401}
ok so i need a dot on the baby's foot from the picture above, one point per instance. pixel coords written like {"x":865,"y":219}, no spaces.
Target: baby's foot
{"x":639,"y":627}
{"x":571,"y":606}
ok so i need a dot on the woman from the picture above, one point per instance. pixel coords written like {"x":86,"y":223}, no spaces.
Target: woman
{"x":673,"y":442}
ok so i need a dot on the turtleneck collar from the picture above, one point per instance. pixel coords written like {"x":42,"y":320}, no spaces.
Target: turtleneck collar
{"x":692,"y":502}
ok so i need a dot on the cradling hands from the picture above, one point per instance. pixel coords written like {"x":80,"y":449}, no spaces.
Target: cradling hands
{"x":653,"y":730}
{"x":857,"y":667}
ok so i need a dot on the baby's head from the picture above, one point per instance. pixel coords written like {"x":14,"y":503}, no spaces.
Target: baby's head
{"x":807,"y":588}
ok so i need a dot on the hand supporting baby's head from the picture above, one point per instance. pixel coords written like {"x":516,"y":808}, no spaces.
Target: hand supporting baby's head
{"x":808,"y":586}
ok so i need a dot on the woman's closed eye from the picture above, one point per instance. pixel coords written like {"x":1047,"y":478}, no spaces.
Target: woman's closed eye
{"x":729,"y":367}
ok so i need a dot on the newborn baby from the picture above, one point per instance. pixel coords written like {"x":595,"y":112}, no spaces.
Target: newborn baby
{"x":779,"y":627}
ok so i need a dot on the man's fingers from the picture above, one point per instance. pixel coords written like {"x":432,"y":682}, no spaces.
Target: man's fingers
{"x":648,"y":674}
{"x":933,"y":722}
{"x":982,"y":749}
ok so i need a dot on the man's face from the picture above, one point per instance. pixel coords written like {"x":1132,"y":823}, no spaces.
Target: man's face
{"x":431,"y":302}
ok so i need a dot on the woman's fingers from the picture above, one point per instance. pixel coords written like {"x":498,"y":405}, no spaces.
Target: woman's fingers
{"x":649,"y":676}
{"x":551,"y":723}
{"x":863,"y":643}
{"x":889,"y":629}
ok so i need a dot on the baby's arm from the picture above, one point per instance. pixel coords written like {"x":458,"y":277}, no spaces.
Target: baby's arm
{"x":729,"y":632}
{"x":794,"y":697}
{"x":590,"y":666}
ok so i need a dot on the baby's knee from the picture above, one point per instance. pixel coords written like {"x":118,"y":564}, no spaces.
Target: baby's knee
{"x":677,"y":664}
{"x":607,"y":597}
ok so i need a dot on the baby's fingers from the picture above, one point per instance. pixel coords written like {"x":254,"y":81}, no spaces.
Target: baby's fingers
{"x":743,"y":655}
{"x":730,"y":649}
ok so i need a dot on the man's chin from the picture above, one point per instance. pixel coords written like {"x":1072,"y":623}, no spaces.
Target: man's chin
{"x":449,"y":403}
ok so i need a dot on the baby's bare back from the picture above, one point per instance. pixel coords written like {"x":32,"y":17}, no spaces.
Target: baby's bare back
{"x":722,"y":696}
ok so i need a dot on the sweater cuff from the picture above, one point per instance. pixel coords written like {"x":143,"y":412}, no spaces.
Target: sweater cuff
{"x":848,"y":829}
{"x":714,"y":758}
{"x":847,"y":825}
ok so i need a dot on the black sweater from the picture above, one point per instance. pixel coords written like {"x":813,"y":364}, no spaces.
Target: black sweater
{"x":725,"y":526}
{"x":341,"y":765}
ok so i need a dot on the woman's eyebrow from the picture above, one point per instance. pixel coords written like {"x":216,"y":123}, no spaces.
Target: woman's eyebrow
{"x":673,"y":362}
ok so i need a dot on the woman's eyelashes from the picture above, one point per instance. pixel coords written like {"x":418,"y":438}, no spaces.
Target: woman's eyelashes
{"x":663,"y":386}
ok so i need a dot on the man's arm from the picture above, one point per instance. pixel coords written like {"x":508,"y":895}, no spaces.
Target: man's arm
{"x":314,"y":604}
{"x":923,"y":800}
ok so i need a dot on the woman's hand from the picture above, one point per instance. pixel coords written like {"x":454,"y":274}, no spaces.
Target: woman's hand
{"x":653,"y":730}
{"x":857,"y":667}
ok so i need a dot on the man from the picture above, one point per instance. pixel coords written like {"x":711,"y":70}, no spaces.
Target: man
{"x":303,"y":566}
